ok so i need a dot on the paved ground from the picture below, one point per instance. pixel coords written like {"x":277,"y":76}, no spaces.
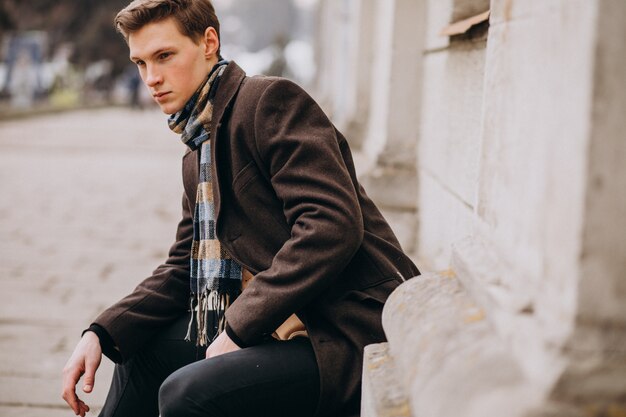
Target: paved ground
{"x":88,"y":206}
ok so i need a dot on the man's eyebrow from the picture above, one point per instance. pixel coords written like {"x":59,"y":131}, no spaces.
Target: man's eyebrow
{"x":157,"y":52}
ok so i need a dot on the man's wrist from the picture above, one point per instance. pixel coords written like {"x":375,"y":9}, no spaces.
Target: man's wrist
{"x":106,"y":342}
{"x":87,"y":333}
{"x":233,"y":336}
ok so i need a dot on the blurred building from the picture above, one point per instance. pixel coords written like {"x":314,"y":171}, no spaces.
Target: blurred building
{"x":273,"y":37}
{"x":495,"y":134}
{"x":253,"y":24}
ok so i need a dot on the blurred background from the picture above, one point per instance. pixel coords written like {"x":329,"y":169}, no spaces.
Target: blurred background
{"x":66,"y":53}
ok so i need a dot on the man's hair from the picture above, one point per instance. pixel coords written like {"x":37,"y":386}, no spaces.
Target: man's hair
{"x":191,"y":16}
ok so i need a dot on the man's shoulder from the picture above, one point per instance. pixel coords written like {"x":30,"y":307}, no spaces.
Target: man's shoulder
{"x":256,"y":87}
{"x":261,"y":95}
{"x":264,"y":86}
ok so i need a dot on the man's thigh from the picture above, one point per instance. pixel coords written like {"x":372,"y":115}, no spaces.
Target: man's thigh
{"x":278,"y":378}
{"x":135,"y":385}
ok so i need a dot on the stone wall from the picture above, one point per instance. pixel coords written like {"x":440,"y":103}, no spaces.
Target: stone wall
{"x":498,"y":155}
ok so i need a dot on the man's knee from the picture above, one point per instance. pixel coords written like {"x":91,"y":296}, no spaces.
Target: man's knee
{"x":179,"y":396}
{"x":173,"y":397}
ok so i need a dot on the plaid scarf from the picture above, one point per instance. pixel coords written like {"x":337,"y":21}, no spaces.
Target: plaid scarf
{"x":215,"y":276}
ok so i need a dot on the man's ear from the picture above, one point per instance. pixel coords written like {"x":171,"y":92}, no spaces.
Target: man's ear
{"x":211,"y":43}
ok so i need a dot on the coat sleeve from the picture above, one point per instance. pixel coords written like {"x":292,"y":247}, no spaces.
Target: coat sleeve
{"x":155,"y":302}
{"x":301,"y":152}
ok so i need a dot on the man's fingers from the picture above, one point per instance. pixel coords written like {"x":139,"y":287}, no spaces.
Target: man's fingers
{"x":70,"y":378}
{"x":85,"y":360}
{"x":83,"y":408}
{"x":71,"y":399}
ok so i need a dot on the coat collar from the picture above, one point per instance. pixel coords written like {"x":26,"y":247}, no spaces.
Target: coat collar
{"x":229,"y":85}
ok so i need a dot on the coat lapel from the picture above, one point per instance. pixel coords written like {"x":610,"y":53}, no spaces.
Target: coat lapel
{"x":229,"y":86}
{"x":190,"y":175}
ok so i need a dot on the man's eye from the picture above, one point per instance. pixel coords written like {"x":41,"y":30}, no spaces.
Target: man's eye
{"x":140,"y":63}
{"x":164,"y":55}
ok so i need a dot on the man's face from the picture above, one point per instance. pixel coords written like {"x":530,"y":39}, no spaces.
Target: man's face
{"x":171,"y":65}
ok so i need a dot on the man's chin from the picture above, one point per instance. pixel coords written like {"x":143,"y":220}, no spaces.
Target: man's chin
{"x":169,"y":109}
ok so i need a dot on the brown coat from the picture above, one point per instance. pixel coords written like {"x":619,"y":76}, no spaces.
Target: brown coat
{"x":289,"y":208}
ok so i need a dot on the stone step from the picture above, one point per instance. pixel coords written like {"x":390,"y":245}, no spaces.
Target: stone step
{"x":383,"y":394}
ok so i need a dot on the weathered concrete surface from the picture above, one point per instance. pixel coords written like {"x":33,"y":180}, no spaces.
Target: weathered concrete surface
{"x":604,"y":247}
{"x":533,"y":164}
{"x":383,"y":392}
{"x":452,"y":362}
{"x":449,"y":148}
{"x":446,"y":221}
{"x":541,"y":244}
{"x":584,"y":377}
{"x":88,"y":208}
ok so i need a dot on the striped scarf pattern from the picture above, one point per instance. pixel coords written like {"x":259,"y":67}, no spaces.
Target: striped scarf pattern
{"x":215,"y":277}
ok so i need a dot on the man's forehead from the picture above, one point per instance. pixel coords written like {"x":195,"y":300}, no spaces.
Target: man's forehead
{"x":155,"y":37}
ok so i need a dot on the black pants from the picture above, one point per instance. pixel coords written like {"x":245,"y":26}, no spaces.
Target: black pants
{"x":171,"y":377}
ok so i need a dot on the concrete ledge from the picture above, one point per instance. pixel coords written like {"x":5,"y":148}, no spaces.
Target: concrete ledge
{"x":450,"y":360}
{"x":510,"y":308}
{"x":383,"y":394}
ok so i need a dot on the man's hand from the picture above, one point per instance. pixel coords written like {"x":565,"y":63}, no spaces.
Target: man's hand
{"x":85,"y":360}
{"x":221,"y":345}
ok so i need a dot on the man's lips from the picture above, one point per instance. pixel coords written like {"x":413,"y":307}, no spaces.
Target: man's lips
{"x":160,"y":96}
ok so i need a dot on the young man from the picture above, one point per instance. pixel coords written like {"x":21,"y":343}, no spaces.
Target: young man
{"x":287,"y":260}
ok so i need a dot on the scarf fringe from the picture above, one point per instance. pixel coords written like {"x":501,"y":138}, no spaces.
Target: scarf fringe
{"x":210,"y":302}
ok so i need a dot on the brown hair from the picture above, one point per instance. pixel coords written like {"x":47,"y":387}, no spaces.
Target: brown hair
{"x":193,"y":17}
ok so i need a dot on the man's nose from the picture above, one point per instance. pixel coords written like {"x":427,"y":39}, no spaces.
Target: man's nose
{"x":153,"y":77}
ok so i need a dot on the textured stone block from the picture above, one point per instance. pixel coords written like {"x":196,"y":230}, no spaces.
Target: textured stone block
{"x":439,"y":14}
{"x":383,"y":393}
{"x":511,"y":308}
{"x":450,"y":134}
{"x":442,"y":219}
{"x":536,"y":128}
{"x":604,"y":247}
{"x":533,"y":160}
{"x":452,"y":362}
{"x":507,"y":10}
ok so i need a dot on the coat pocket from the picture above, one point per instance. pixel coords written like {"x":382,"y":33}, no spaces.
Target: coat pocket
{"x":244,"y":177}
{"x":258,"y":200}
